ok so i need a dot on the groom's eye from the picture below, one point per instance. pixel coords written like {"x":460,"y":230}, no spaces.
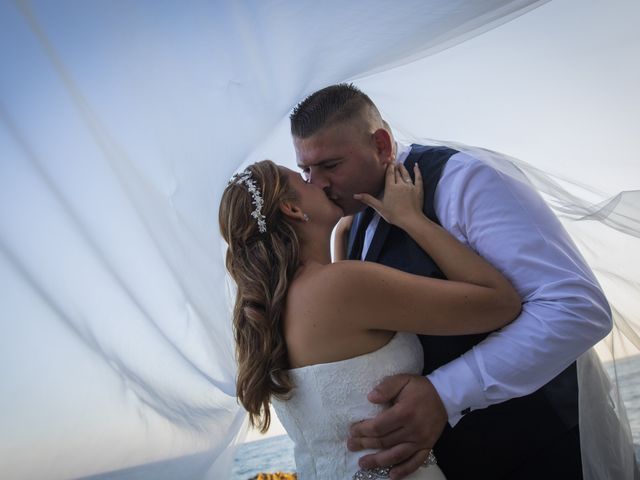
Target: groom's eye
{"x":330,"y":166}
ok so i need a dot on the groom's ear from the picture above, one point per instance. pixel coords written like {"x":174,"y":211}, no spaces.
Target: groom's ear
{"x":384,"y":145}
{"x":291,"y":210}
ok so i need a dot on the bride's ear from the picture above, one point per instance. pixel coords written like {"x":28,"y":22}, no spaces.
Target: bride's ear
{"x":291,"y":210}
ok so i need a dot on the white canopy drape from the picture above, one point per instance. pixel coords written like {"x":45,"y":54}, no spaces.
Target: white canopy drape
{"x":120,"y":123}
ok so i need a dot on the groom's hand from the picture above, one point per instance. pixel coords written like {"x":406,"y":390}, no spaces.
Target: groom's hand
{"x":406,"y":431}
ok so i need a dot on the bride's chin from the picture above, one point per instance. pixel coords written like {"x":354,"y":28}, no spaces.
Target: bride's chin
{"x":340,"y":211}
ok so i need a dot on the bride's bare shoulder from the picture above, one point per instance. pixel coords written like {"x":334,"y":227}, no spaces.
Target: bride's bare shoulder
{"x":335,"y":280}
{"x":333,"y":275}
{"x":347,"y":271}
{"x":319,"y":313}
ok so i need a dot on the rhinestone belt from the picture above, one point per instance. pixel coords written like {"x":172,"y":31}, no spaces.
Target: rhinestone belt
{"x":383,"y":472}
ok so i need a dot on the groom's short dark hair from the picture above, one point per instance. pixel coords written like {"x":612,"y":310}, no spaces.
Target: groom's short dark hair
{"x":328,"y":106}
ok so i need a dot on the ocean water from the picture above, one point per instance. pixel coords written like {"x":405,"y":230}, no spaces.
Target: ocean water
{"x":275,"y":454}
{"x":628,"y":372}
{"x":270,"y":455}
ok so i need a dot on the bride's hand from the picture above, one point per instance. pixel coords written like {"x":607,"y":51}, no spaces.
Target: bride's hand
{"x":402,"y":199}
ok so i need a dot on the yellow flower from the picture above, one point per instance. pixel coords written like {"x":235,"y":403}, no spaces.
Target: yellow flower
{"x":275,"y":476}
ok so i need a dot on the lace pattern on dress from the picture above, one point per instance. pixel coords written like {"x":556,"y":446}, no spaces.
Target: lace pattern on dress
{"x":328,"y":398}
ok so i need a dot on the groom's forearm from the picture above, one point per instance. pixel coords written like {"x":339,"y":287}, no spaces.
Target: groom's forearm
{"x":517,"y":360}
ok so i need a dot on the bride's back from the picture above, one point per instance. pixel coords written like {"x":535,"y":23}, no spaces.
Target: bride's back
{"x":318,"y":329}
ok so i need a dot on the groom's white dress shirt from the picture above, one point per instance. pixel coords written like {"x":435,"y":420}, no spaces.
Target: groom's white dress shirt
{"x":564,"y":310}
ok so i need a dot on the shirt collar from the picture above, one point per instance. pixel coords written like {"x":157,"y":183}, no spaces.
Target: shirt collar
{"x":402,"y":152}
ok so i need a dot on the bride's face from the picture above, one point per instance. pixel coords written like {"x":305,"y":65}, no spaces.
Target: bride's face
{"x":312,"y":200}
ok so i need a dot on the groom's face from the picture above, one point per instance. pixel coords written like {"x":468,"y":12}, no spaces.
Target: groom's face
{"x":342,"y":160}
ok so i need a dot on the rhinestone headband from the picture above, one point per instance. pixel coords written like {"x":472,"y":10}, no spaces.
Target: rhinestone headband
{"x":245,"y":178}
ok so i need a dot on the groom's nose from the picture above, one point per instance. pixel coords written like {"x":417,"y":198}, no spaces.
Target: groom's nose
{"x":320,"y":180}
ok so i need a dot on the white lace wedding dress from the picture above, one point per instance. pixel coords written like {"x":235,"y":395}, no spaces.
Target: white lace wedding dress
{"x":329,"y":397}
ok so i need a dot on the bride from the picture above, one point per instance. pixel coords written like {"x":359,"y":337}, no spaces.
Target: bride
{"x":314,"y":337}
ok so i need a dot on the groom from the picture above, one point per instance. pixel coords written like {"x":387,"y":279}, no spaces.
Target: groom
{"x":502,"y":405}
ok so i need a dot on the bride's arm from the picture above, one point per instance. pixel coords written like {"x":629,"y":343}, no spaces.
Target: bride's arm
{"x":340,"y":238}
{"x":475,"y":298}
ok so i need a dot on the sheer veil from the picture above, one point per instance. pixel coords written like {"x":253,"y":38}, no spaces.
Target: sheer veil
{"x":605,"y":433}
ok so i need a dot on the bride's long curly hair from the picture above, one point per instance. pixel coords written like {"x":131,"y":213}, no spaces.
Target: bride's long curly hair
{"x":262,"y":266}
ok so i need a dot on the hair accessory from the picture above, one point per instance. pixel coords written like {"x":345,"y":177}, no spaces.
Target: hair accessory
{"x":245,"y":178}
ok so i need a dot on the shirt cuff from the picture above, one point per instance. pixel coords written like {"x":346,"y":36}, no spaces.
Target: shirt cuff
{"x":459,"y":389}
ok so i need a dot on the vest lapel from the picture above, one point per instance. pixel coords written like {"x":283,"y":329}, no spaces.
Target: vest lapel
{"x":378,"y":241}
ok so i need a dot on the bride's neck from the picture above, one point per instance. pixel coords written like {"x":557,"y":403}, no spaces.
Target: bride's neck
{"x":315,"y":249}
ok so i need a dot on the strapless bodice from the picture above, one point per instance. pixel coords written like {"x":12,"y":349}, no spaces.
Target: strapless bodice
{"x":327,"y":398}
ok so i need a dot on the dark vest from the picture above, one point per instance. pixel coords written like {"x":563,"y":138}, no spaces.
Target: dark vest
{"x":493,"y":441}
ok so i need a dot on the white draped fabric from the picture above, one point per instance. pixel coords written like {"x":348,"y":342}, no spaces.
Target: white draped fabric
{"x":120,"y":123}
